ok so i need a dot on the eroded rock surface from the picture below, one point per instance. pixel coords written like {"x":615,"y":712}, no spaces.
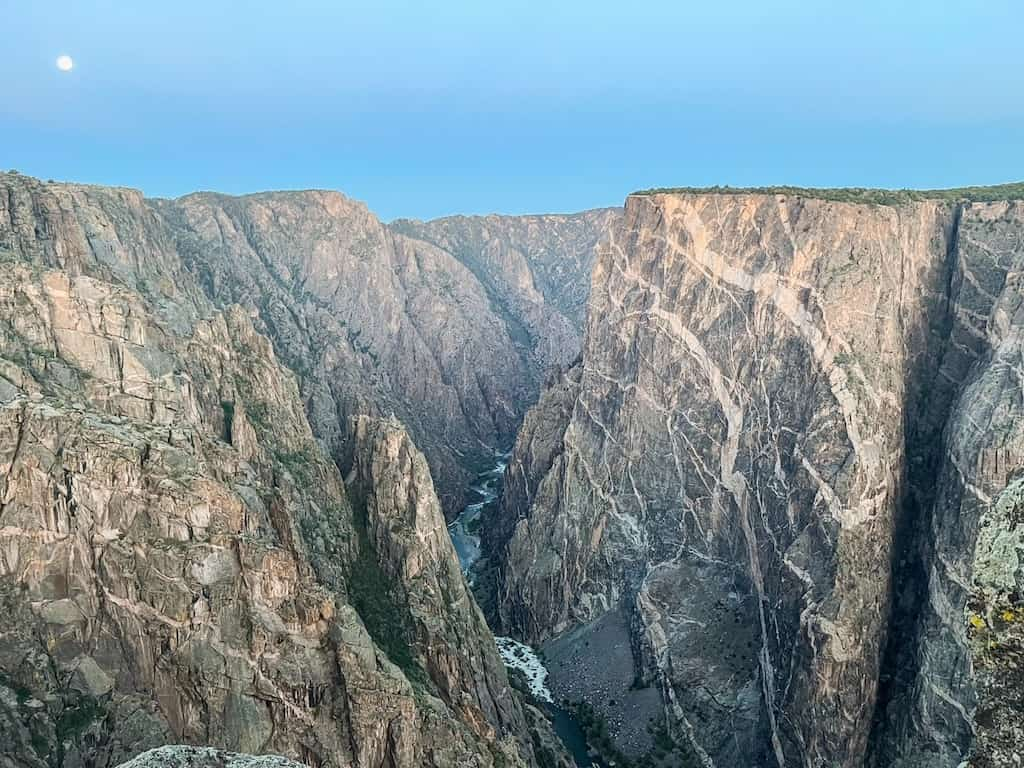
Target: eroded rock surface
{"x":180,"y":561}
{"x":536,"y":270}
{"x":785,"y":471}
{"x":181,"y":756}
{"x":377,"y":319}
{"x":372,"y":321}
{"x":405,"y":529}
{"x":782,"y":403}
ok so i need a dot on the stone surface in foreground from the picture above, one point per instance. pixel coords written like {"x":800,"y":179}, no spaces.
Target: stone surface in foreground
{"x":180,"y":756}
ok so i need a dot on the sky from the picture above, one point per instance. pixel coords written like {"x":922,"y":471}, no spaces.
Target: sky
{"x":428,"y":108}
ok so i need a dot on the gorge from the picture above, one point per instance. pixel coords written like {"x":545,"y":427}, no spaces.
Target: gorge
{"x":762,"y":505}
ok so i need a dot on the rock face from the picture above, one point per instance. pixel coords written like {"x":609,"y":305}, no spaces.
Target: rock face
{"x":405,"y":530}
{"x":179,"y":559}
{"x":180,"y":756}
{"x":374,"y":320}
{"x":790,"y":453}
{"x":536,"y":270}
{"x":783,"y":478}
{"x":969,"y":543}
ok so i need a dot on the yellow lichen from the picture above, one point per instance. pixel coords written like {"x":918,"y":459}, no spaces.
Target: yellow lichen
{"x":1008,"y":616}
{"x":976,"y":621}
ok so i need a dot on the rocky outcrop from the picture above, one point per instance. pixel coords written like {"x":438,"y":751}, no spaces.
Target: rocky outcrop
{"x":403,"y":527}
{"x":787,"y":405}
{"x":537,"y":455}
{"x":179,"y":559}
{"x":181,"y":756}
{"x":405,"y":530}
{"x":400,"y":519}
{"x":782,"y":478}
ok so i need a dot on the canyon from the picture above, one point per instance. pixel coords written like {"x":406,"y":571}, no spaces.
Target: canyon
{"x":761,"y":504}
{"x":183,"y":559}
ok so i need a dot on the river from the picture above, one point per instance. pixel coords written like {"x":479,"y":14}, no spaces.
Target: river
{"x":516,"y":655}
{"x":463,"y":528}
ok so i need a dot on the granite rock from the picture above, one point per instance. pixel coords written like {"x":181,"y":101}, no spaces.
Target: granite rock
{"x":789,"y":452}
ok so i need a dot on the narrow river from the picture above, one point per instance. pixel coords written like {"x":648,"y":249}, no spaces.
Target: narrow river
{"x":464,"y":528}
{"x":464,"y":531}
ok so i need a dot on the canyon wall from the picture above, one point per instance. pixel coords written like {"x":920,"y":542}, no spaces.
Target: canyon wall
{"x":180,"y":560}
{"x":450,"y":330}
{"x":775,"y":455}
{"x":790,"y":444}
{"x":536,"y":269}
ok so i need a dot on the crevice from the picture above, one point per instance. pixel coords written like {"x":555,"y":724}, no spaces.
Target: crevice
{"x":931,"y":394}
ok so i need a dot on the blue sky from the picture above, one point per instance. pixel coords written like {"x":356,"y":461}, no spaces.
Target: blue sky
{"x":428,"y":108}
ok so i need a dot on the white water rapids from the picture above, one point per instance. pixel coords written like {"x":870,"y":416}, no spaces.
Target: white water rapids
{"x":466,"y":539}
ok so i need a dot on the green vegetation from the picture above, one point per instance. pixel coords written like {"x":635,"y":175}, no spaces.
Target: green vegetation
{"x":43,"y":352}
{"x":994,"y":628}
{"x":21,"y":693}
{"x":999,"y":192}
{"x":229,"y":419}
{"x":256,"y":410}
{"x":517,"y":679}
{"x":40,"y":744}
{"x":362,"y":347}
{"x":595,"y":729}
{"x":259,"y":415}
{"x":546,"y":756}
{"x":370,"y":592}
{"x":299,"y":464}
{"x":665,"y":753}
{"x":371,"y":597}
{"x":75,"y":719}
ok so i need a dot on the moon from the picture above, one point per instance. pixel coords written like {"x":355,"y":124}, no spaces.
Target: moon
{"x":65,"y":63}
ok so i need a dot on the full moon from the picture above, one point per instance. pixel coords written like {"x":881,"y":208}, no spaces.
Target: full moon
{"x":64,"y":63}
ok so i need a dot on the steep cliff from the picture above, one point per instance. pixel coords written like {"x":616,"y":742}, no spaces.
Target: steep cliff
{"x":376,"y":319}
{"x":536,"y":270}
{"x":179,"y":560}
{"x":963,"y":540}
{"x":372,"y":322}
{"x":783,"y":403}
{"x":405,"y":530}
{"x":772,"y":500}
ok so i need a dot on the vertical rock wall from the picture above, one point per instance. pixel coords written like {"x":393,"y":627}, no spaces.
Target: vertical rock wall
{"x":774,"y":397}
